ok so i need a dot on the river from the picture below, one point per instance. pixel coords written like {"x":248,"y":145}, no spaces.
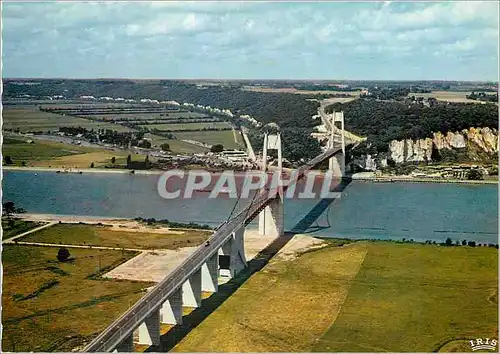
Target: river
{"x":418,"y":211}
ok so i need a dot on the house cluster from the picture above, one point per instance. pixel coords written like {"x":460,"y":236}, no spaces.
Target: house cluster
{"x":215,"y":161}
{"x":454,"y":172}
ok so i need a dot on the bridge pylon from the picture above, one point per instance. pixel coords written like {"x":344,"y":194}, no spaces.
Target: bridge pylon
{"x":337,"y":162}
{"x":271,"y":218}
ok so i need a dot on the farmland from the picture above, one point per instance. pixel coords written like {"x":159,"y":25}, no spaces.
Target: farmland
{"x":365,"y":296}
{"x":54,"y":306}
{"x":45,"y":153}
{"x":188,"y":126}
{"x":28,"y":119}
{"x":75,"y":234}
{"x":225,"y":137}
{"x":15,"y":227}
{"x":450,"y":96}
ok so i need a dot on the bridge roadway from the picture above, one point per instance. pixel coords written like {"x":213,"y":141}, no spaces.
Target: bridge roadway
{"x":124,"y":326}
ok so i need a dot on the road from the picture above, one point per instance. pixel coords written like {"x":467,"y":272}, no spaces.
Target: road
{"x":11,"y":240}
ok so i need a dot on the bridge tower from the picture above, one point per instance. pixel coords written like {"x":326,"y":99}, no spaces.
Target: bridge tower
{"x":271,"y":219}
{"x":337,"y":162}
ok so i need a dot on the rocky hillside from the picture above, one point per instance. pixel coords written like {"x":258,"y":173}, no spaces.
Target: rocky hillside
{"x":473,"y":144}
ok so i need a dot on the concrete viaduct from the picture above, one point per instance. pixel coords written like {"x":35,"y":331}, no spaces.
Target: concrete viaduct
{"x":200,"y":272}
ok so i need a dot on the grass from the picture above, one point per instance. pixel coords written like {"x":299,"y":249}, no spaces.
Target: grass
{"x":46,"y":153}
{"x":187,"y":126}
{"x":149,"y":116}
{"x":99,"y":158}
{"x":283,"y":308}
{"x":225,"y":138}
{"x":16,"y":227}
{"x":417,"y":298}
{"x":366,"y":296}
{"x":451,"y":96}
{"x":75,"y":234}
{"x":176,"y":146}
{"x":59,"y":310}
{"x":28,"y":119}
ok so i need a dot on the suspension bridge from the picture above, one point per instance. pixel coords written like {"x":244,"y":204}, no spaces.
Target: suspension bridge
{"x":199,"y":273}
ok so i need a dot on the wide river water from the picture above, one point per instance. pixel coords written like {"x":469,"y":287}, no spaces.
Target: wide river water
{"x":418,"y":211}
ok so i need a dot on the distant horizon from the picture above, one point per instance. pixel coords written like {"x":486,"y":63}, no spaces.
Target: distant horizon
{"x":348,"y":41}
{"x":251,"y":80}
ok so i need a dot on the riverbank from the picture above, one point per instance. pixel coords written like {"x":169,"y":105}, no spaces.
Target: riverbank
{"x":364,"y":176}
{"x":83,"y":170}
{"x":370,"y":177}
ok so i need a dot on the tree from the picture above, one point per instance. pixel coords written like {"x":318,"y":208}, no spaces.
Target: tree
{"x":448,"y":242}
{"x":8,"y":208}
{"x":217,"y":148}
{"x":145,"y":144}
{"x":63,"y":254}
{"x":165,"y":147}
{"x":8,"y":160}
{"x":113,"y":160}
{"x":464,"y":243}
{"x":474,"y":174}
{"x":92,"y":165}
{"x":471,"y":243}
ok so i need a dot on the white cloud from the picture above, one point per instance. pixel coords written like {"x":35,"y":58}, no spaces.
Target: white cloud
{"x":209,"y":33}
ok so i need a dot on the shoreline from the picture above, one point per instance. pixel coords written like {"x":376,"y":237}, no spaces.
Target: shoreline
{"x":396,"y":179}
{"x":373,"y":179}
{"x":83,"y":170}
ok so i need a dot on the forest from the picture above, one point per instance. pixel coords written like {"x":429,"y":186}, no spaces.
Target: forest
{"x":382,"y":121}
{"x":287,"y":108}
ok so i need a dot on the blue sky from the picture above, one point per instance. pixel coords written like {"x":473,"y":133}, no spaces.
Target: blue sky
{"x":252,"y":40}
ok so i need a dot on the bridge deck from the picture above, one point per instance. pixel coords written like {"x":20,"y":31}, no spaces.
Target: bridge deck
{"x":122,"y":327}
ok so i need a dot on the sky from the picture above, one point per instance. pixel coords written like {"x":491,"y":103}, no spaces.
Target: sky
{"x":252,"y":40}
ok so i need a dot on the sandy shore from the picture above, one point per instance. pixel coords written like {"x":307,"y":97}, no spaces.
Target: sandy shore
{"x":155,"y":266}
{"x":121,"y":224}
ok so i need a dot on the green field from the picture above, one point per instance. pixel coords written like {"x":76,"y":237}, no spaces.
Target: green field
{"x":417,"y":298}
{"x":31,"y":119}
{"x":176,"y":146}
{"x":22,"y":151}
{"x":362,"y":297}
{"x":188,"y":126}
{"x":42,"y":153}
{"x":15,"y":227}
{"x":53,"y":306}
{"x":225,"y":137}
{"x":148,"y":116}
{"x":75,"y":234}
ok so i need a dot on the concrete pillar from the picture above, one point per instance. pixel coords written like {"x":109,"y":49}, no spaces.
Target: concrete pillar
{"x":337,"y":162}
{"x":171,"y":311}
{"x":149,"y":330}
{"x":271,"y":219}
{"x":235,"y":249}
{"x":210,"y":274}
{"x":264,"y":154}
{"x":280,"y":158}
{"x":191,"y":290}
{"x":127,"y":345}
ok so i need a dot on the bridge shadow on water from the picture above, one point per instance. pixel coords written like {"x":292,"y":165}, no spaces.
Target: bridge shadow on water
{"x":170,"y":339}
{"x":304,"y":226}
